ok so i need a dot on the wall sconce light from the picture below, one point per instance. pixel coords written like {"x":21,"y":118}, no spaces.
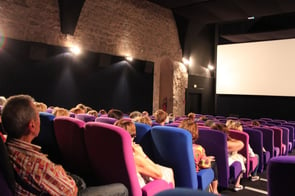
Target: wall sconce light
{"x":75,"y":50}
{"x":186,"y":61}
{"x":210,"y":67}
{"x":129,"y":58}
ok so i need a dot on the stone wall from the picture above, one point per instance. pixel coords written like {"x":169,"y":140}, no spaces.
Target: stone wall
{"x":120,"y":27}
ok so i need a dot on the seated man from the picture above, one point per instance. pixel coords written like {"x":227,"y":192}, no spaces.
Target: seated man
{"x":36,"y":172}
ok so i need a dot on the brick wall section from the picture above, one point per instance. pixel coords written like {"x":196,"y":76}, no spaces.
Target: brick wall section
{"x":120,"y":27}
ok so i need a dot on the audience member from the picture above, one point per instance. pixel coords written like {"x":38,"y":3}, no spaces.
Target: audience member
{"x":57,"y":111}
{"x":77,"y":110}
{"x":41,"y":107}
{"x":191,"y":116}
{"x":115,"y":113}
{"x":93,"y":113}
{"x":255,"y":123}
{"x":144,"y":119}
{"x":102,"y":112}
{"x":145,"y":113}
{"x":236,"y":125}
{"x":36,"y":173}
{"x":171,"y":117}
{"x":82,"y":107}
{"x":201,"y":160}
{"x":135,"y":114}
{"x":233,"y":146}
{"x":146,"y":168}
{"x":161,"y":117}
{"x":2,"y":100}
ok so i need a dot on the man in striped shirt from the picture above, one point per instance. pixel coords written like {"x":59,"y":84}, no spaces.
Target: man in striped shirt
{"x":36,"y":173}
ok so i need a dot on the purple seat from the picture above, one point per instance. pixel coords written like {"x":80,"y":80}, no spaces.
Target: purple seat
{"x":105,"y":119}
{"x":111,"y":157}
{"x":256,"y":142}
{"x":291,"y":127}
{"x":70,"y":139}
{"x":215,"y":143}
{"x":251,"y":162}
{"x":288,"y":145}
{"x":280,"y":176}
{"x":268,"y":141}
{"x":177,"y":153}
{"x":85,"y":117}
{"x":278,"y":139}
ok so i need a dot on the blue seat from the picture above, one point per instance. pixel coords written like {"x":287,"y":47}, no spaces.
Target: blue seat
{"x":141,"y":130}
{"x":173,"y":148}
{"x":46,"y":138}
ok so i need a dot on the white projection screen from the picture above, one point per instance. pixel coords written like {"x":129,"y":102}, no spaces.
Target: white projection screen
{"x":258,"y":68}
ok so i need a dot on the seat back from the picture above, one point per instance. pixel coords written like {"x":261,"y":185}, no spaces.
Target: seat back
{"x":111,"y":156}
{"x":46,"y":138}
{"x":278,"y":138}
{"x":285,"y":138}
{"x":244,"y":137}
{"x":268,"y":139}
{"x":176,"y":153}
{"x":215,"y":143}
{"x":105,"y":119}
{"x":256,"y":142}
{"x":280,"y":178}
{"x":141,"y":130}
{"x":7,"y":180}
{"x":291,"y":135}
{"x":85,"y":117}
{"x":70,"y":139}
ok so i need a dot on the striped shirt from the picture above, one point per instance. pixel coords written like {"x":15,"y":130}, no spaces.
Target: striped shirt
{"x":38,"y":171}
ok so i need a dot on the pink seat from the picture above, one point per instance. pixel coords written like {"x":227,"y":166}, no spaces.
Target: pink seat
{"x":111,"y":157}
{"x":251,"y":162}
{"x":69,"y":134}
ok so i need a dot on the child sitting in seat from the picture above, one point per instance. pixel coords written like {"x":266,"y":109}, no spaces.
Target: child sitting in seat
{"x":147,"y":170}
{"x":201,"y":160}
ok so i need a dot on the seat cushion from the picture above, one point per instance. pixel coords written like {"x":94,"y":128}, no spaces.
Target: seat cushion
{"x":205,"y":177}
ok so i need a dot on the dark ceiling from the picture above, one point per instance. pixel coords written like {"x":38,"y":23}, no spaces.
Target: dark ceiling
{"x":273,"y":19}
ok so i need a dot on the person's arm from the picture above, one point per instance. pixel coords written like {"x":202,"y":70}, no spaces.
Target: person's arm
{"x":57,"y":182}
{"x":234,"y":145}
{"x":144,"y":165}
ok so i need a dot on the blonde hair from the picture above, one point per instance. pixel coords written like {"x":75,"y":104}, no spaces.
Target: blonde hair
{"x":144,"y":119}
{"x":128,"y":125}
{"x":57,"y":111}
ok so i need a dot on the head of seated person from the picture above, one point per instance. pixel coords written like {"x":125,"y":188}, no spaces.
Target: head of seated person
{"x":115,"y":113}
{"x":144,"y":119}
{"x":58,"y":111}
{"x":135,"y":114}
{"x":161,"y":116}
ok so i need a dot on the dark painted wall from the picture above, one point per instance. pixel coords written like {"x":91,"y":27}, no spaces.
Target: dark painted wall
{"x":200,"y":43}
{"x":205,"y":88}
{"x":54,"y":76}
{"x":256,"y":106}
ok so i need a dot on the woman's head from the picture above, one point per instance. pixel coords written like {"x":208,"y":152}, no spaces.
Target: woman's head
{"x":160,"y":116}
{"x":128,"y":125}
{"x":191,"y":126}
